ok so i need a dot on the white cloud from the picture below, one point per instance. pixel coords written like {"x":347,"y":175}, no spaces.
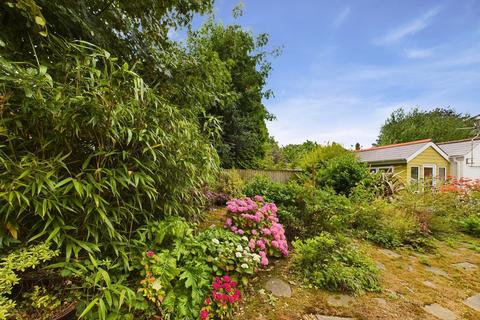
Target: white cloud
{"x":410,"y":28}
{"x":349,"y":104}
{"x":342,"y":16}
{"x":418,"y":53}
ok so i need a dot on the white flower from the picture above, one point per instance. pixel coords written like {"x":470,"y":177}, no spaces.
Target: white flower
{"x":239,"y":248}
{"x":256,"y":258}
{"x":215,"y":241}
{"x":244,"y":266}
{"x":238,"y":254}
{"x":244,"y":238}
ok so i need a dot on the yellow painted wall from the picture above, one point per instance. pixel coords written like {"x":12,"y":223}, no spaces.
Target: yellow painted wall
{"x":401,"y":170}
{"x":429,"y":156}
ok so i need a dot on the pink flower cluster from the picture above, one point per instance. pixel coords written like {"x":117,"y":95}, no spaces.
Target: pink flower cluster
{"x":224,"y":294}
{"x":259,"y":222}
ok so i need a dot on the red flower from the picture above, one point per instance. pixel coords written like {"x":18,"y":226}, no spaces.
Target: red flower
{"x":204,"y":314}
{"x":150,"y":253}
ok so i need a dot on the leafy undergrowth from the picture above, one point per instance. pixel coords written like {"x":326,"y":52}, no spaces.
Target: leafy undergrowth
{"x":402,"y":282}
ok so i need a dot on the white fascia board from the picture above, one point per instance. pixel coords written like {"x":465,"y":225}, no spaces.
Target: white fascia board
{"x":425,"y":147}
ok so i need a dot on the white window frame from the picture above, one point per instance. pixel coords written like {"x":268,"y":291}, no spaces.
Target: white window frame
{"x":434,"y":173}
{"x":418,"y":174}
{"x":390,"y":169}
{"x":439,"y":175}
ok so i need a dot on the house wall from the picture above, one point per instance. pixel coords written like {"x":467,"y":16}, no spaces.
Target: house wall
{"x":468,"y":170}
{"x":428,"y":157}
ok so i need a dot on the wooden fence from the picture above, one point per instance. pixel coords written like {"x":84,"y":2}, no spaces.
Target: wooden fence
{"x":282,"y":176}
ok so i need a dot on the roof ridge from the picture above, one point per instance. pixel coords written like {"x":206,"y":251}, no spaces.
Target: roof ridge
{"x":457,"y":141}
{"x":395,"y":145}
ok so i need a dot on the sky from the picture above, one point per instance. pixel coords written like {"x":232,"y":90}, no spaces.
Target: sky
{"x":346,"y":65}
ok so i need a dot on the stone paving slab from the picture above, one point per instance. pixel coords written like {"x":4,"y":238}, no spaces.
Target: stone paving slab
{"x":322,"y":317}
{"x":473,"y":302}
{"x":466,"y":266}
{"x":440,"y":312}
{"x":278,"y":288}
{"x":341,"y":300}
{"x":436,"y":270}
{"x":390,"y":253}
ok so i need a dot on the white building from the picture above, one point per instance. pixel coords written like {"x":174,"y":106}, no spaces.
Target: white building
{"x":464,"y":158}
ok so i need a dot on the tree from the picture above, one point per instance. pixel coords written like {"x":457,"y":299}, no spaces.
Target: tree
{"x":242,"y":114}
{"x":293,"y":153}
{"x":439,"y":125}
{"x":134,"y":31}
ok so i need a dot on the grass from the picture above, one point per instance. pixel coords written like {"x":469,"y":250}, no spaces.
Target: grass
{"x":402,"y":283}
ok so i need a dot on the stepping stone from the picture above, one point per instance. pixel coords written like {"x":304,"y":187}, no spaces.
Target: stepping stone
{"x":436,"y":270}
{"x":466,"y":266}
{"x":390,"y":253}
{"x":440,"y":312}
{"x":381,"y":301}
{"x":430,"y":284}
{"x":380,"y":266}
{"x":321,"y":317}
{"x":278,"y":288}
{"x":473,"y":302}
{"x":341,"y":300}
{"x":410,"y":268}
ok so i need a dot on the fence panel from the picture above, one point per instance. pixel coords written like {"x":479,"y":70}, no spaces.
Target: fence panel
{"x":282,"y":176}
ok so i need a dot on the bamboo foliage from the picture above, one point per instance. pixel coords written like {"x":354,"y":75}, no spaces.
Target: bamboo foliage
{"x":88,"y":153}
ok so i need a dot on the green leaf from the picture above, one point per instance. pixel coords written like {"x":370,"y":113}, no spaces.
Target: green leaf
{"x":88,"y":308}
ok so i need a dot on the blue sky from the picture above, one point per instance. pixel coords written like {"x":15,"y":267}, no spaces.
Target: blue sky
{"x":347,"y":64}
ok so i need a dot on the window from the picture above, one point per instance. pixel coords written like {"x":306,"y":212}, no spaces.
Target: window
{"x":381,"y":169}
{"x":414,"y":174}
{"x":442,"y":173}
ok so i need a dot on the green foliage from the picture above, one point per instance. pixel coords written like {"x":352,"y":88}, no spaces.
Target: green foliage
{"x":471,"y":225}
{"x":179,"y":267}
{"x":343,"y":174}
{"x":293,"y":154}
{"x":303,"y":210}
{"x":41,"y":303}
{"x":85,"y":162}
{"x":439,"y":124}
{"x":19,"y":260}
{"x":333,"y":262}
{"x":229,"y":182}
{"x":244,"y":132}
{"x":134,"y":31}
{"x":318,"y":156}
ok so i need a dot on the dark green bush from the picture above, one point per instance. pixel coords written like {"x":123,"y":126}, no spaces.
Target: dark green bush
{"x":333,"y":262}
{"x":305,"y":211}
{"x":342,"y":174}
{"x":470,"y":225}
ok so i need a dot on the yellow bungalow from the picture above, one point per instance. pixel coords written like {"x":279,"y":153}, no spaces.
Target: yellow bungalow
{"x":415,"y":161}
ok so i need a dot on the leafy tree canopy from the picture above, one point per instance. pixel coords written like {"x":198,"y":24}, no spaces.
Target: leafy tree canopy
{"x":439,"y":124}
{"x":242,"y":114}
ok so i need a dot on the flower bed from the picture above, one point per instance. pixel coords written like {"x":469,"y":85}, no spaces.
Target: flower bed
{"x":188,"y":275}
{"x":258,"y":221}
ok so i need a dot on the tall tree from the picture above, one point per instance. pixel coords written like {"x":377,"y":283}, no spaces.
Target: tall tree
{"x":440,"y":124}
{"x":243,"y":115}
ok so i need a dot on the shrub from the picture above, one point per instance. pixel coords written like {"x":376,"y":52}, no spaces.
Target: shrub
{"x":304,"y":210}
{"x":89,"y":154}
{"x":470,"y":225}
{"x":224,"y":297}
{"x":19,"y":261}
{"x":179,"y":267}
{"x":258,"y":221}
{"x":342,"y":174}
{"x":333,"y":262}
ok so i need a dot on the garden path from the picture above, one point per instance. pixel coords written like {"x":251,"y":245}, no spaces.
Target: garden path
{"x":443,"y":284}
